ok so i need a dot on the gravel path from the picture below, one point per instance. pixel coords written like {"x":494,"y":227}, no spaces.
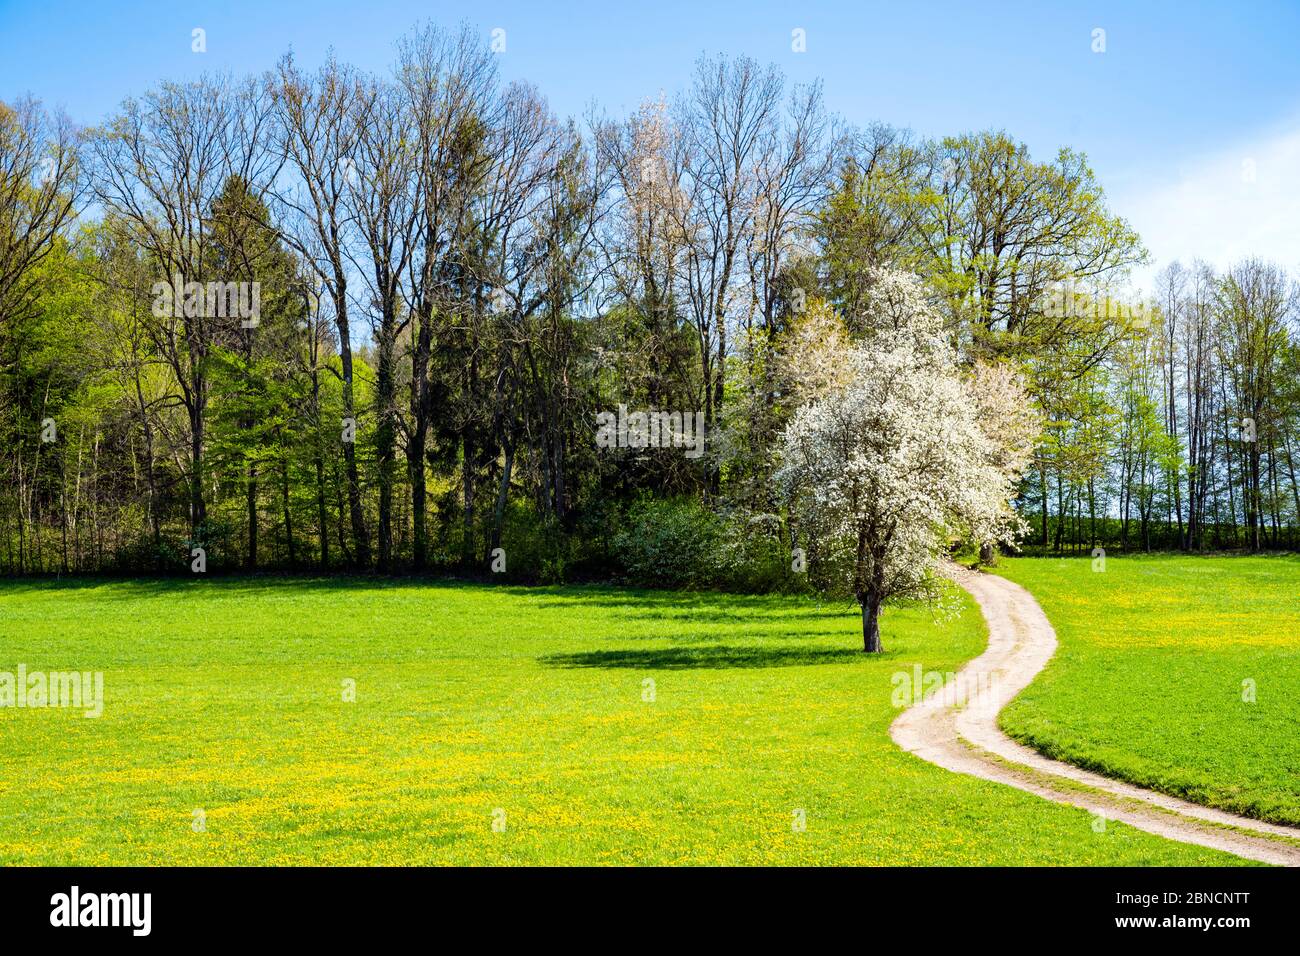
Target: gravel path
{"x":958,"y":730}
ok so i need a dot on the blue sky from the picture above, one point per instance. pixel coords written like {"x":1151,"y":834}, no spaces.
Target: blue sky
{"x":1191,"y":116}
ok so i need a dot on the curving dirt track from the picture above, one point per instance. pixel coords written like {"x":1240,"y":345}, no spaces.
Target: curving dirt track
{"x":957,"y":729}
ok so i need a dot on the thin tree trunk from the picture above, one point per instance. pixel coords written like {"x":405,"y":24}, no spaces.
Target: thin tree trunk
{"x":252,"y":515}
{"x":503,"y":494}
{"x":288,"y":513}
{"x":360,"y":538}
{"x":321,"y":512}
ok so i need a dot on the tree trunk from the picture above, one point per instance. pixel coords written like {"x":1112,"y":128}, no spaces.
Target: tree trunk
{"x":288,"y":513}
{"x":1042,"y":486}
{"x":467,"y":495}
{"x":871,"y":624}
{"x":360,"y":537}
{"x":198,"y":507}
{"x":386,"y":434}
{"x":503,"y":495}
{"x":318,"y":460}
{"x":155,"y":521}
{"x":415,"y":446}
{"x":252,"y":515}
{"x":321,"y":515}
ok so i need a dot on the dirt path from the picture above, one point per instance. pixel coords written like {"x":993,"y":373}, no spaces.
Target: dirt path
{"x":958,"y":729}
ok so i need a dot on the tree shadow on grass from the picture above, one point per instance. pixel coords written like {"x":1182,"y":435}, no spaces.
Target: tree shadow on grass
{"x":696,"y":612}
{"x":678,"y":608}
{"x":109,"y":587}
{"x":713,"y":657}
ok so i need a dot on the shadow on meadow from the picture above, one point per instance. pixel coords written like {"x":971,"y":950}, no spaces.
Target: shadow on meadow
{"x":629,"y":603}
{"x":694,"y":606}
{"x":713,"y":657}
{"x":163,"y":586}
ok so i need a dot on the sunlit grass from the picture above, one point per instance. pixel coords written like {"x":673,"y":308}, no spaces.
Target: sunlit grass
{"x":1157,"y":657}
{"x":474,"y":704}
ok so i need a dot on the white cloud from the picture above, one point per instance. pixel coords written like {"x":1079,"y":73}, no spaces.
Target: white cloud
{"x":1222,"y":207}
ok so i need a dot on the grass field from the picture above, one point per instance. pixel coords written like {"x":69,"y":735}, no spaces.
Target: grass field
{"x":477,"y":704}
{"x":1155,"y":653}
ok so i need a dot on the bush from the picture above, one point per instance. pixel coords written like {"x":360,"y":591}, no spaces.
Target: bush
{"x":756,"y":556}
{"x":679,"y":543}
{"x":672,"y":543}
{"x":658,"y":543}
{"x":537,"y":548}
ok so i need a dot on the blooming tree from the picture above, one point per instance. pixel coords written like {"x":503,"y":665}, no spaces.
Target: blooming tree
{"x":812,"y":360}
{"x":886,"y":467}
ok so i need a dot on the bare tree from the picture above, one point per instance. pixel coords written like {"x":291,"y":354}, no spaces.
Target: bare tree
{"x":449,"y":84}
{"x":551,"y":274}
{"x":318,"y":136}
{"x":729,"y":121}
{"x":385,"y":208}
{"x":160,"y":165}
{"x":40,"y":190}
{"x":644,"y":246}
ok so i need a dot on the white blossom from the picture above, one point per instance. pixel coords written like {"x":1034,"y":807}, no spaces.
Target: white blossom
{"x":891,"y":465}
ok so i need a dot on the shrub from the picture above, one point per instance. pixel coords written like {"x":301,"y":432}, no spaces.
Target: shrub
{"x":537,"y":548}
{"x":670,"y":543}
{"x":756,"y":556}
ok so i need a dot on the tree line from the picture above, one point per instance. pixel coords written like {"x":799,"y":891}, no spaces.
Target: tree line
{"x":326,"y":318}
{"x":1187,"y":437}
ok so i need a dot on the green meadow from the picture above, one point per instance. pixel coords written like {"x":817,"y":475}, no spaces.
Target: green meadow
{"x":352,"y":721}
{"x":1181,"y":674}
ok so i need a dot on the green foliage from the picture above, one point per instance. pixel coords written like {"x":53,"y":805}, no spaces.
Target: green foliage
{"x":673,"y":295}
{"x":537,"y":548}
{"x":679,"y":542}
{"x":756,"y":558}
{"x":670,"y":543}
